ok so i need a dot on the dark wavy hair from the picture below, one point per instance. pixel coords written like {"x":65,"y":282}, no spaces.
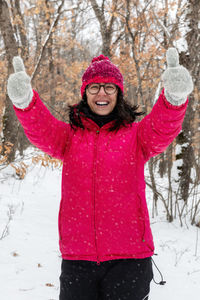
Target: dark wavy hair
{"x":125,"y":113}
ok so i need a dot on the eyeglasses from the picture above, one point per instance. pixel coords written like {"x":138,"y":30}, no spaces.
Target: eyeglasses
{"x":109,"y":88}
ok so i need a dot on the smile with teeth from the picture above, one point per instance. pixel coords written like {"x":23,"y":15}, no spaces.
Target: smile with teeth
{"x":101,"y":103}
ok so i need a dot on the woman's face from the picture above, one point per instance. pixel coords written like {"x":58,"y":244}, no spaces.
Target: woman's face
{"x":101,"y":102}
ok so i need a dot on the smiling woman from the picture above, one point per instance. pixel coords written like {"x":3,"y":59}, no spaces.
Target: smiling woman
{"x":103,"y":97}
{"x":101,"y":81}
{"x":104,"y":229}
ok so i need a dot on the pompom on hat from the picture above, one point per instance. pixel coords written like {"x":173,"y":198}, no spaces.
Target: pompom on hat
{"x":102,"y":70}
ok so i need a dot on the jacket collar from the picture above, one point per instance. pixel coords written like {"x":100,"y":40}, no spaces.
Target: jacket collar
{"x":92,"y":125}
{"x":91,"y":120}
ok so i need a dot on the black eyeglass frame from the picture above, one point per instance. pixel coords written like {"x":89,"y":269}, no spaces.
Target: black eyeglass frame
{"x":104,"y":87}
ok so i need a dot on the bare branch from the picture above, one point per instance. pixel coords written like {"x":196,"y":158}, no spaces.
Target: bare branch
{"x":53,"y":25}
{"x":161,"y":24}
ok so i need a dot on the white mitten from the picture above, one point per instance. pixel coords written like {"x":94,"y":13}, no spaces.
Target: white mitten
{"x":177,"y":80}
{"x":19,"y":85}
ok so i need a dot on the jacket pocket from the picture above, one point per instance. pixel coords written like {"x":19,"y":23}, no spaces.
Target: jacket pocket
{"x":146,"y":235}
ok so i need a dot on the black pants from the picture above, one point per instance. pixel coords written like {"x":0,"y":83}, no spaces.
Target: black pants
{"x":121,"y":279}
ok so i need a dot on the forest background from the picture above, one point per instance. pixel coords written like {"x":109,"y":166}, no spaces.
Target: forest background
{"x":58,"y":39}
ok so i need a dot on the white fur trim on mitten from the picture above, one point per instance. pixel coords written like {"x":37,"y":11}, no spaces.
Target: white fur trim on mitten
{"x":19,"y":85}
{"x":176,"y":79}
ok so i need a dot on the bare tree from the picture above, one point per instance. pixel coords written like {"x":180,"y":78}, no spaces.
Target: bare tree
{"x":20,"y":29}
{"x":12,"y":131}
{"x":106,"y":24}
{"x":190,"y":59}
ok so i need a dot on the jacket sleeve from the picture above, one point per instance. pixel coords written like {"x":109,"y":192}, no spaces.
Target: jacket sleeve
{"x":159,"y":128}
{"x":42,"y":129}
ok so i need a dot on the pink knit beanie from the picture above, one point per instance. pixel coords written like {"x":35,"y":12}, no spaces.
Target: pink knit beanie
{"x":102,"y":70}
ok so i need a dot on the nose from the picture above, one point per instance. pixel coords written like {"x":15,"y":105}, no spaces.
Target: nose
{"x":102,"y":91}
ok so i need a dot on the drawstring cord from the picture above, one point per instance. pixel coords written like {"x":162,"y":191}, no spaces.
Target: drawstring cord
{"x":145,"y":297}
{"x":162,"y":282}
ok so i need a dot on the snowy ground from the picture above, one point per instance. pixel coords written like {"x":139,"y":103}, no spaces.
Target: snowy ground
{"x":29,"y":254}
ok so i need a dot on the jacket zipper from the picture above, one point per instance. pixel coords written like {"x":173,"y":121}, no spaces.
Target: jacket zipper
{"x":94,"y":190}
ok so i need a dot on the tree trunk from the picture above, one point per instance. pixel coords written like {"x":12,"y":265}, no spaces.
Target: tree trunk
{"x":106,"y":28}
{"x":190,"y":61}
{"x":11,"y":127}
{"x":22,"y":31}
{"x":50,"y":58}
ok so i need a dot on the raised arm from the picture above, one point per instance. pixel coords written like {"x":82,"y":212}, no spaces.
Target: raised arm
{"x":158,"y":129}
{"x":42,"y":129}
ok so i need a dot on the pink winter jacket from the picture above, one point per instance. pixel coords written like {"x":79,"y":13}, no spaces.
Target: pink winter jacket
{"x":103,"y":212}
